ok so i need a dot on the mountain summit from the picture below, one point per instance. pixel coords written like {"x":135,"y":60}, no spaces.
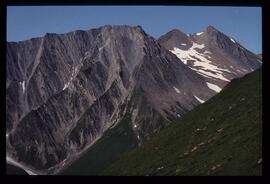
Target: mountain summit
{"x":211,"y":30}
{"x":212,"y":54}
{"x":65,"y":91}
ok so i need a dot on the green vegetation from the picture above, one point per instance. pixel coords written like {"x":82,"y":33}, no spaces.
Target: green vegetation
{"x":220,"y":137}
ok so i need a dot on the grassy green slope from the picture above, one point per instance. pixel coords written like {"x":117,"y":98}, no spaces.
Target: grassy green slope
{"x":220,"y":137}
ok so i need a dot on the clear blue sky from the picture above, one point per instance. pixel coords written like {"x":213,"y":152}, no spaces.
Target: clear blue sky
{"x":242,"y":23}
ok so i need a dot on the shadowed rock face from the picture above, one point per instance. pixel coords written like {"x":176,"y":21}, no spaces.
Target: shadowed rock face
{"x":63,"y":91}
{"x":175,"y":38}
{"x":212,"y":54}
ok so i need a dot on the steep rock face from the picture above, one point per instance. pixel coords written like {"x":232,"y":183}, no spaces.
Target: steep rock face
{"x":211,"y":54}
{"x":175,"y":38}
{"x":65,"y":90}
{"x":39,"y":68}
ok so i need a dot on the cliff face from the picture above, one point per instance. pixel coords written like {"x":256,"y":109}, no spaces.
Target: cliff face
{"x":63,"y":91}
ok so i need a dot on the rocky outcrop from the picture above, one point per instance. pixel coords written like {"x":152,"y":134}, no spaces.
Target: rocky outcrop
{"x":65,"y":90}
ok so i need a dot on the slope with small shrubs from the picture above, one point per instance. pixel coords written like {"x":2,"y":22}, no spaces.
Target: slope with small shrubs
{"x":223,"y":136}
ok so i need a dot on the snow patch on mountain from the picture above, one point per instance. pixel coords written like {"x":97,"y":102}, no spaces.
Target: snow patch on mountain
{"x":183,"y":44}
{"x":198,"y":34}
{"x":65,"y":86}
{"x":75,"y":71}
{"x":213,"y":87}
{"x":233,"y":40}
{"x":201,"y":63}
{"x":184,"y":55}
{"x":23,"y":85}
{"x":200,"y":100}
{"x":210,"y":75}
{"x":176,"y":89}
{"x":207,"y":52}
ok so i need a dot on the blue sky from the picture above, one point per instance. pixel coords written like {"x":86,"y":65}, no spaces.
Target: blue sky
{"x":242,"y":23}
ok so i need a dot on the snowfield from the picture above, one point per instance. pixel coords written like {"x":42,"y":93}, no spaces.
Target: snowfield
{"x":201,"y":61}
{"x":214,"y":87}
{"x":200,"y":100}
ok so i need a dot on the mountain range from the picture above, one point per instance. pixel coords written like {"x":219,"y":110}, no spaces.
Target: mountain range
{"x":66,"y":92}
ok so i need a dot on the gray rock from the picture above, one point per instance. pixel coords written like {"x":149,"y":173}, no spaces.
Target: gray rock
{"x":63,"y":91}
{"x":212,"y":54}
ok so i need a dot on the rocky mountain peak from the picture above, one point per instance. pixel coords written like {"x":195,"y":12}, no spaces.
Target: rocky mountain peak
{"x":175,"y":38}
{"x":176,"y":34}
{"x":65,"y":90}
{"x":212,"y":54}
{"x":122,"y":28}
{"x":211,"y":30}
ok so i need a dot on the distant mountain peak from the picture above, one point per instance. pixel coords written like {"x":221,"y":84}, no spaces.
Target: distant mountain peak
{"x":204,"y":52}
{"x":175,"y":37}
{"x":175,"y":34}
{"x":176,"y":31}
{"x":211,"y":29}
